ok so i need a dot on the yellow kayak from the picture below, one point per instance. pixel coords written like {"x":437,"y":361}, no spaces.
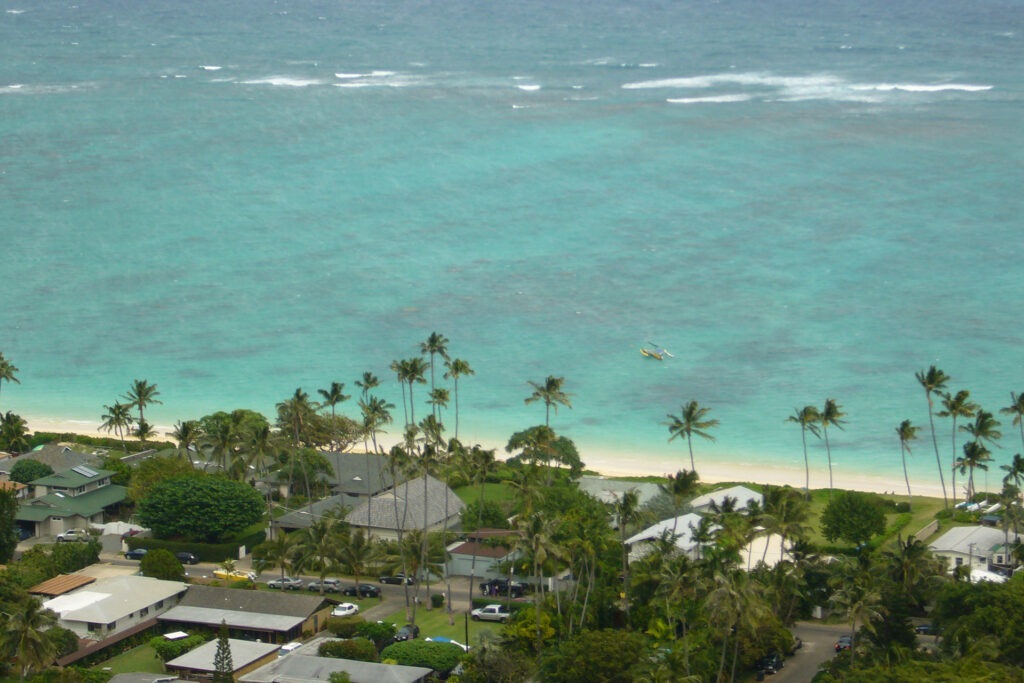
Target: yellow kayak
{"x":651,"y":354}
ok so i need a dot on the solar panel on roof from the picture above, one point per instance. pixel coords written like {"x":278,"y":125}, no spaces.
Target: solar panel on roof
{"x":84,"y":471}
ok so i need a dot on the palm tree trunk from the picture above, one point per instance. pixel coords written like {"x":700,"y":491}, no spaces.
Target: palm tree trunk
{"x":954,"y":461}
{"x":689,"y":444}
{"x":828,"y":452}
{"x":935,"y":443}
{"x":903,"y":454}
{"x":807,"y":464}
{"x":721,"y":661}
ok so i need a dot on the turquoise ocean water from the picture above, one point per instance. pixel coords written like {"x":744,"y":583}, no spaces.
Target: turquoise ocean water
{"x":800,"y":200}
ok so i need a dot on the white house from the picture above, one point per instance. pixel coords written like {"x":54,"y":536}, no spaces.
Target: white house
{"x":741,"y":494}
{"x":980,"y":547}
{"x":683,"y":527}
{"x":109,"y":606}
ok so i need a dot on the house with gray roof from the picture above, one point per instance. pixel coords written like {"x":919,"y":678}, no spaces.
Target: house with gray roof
{"x":246,"y":656}
{"x":979,"y":547}
{"x":296,"y":668}
{"x":59,"y":456}
{"x":307,"y":514}
{"x":271,"y":617}
{"x":406,"y":505}
{"x":106,"y":607}
{"x":610,"y":490}
{"x":69,"y":499}
{"x":353,"y":476}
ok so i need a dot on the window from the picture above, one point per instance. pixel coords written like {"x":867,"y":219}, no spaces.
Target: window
{"x":94,"y":627}
{"x":959,"y":561}
{"x":159,"y":604}
{"x":143,"y":612}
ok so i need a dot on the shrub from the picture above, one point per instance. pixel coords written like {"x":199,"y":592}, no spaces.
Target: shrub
{"x":359,"y":649}
{"x":167,"y":650}
{"x":63,"y":639}
{"x":377,"y":631}
{"x":161,"y":564}
{"x":436,"y":600}
{"x":27,"y":470}
{"x":207,"y":509}
{"x":344,"y":627}
{"x":903,"y":507}
{"x":441,"y":657}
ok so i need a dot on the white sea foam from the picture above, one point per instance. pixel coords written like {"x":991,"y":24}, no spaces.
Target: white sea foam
{"x":285,"y":81}
{"x":180,"y":76}
{"x":649,"y":65}
{"x":343,"y":75}
{"x":577,"y":87}
{"x":714,"y":99}
{"x":915,"y":87}
{"x":211,"y":67}
{"x":528,"y":87}
{"x":15,"y":11}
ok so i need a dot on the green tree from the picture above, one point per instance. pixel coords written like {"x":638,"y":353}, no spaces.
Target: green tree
{"x":26,"y":470}
{"x":333,"y":395}
{"x":975,"y":456}
{"x":152,"y":471}
{"x":223,"y":667}
{"x":25,"y":636}
{"x":605,"y":656}
{"x":278,"y":552}
{"x":956,"y":406}
{"x":317,"y":548}
{"x":144,"y":430}
{"x":161,"y":564}
{"x":13,"y":433}
{"x":410,"y":371}
{"x":1016,"y":408}
{"x":681,"y":486}
{"x":934,"y":380}
{"x":907,"y":433}
{"x":7,"y":371}
{"x":186,"y":433}
{"x":435,"y":345}
{"x":441,"y":657}
{"x":550,"y":392}
{"x":206,"y":509}
{"x":64,"y":641}
{"x":831,"y":415}
{"x":117,"y":419}
{"x":691,"y":421}
{"x":339,"y":677}
{"x":853,"y":516}
{"x":142,"y":394}
{"x":8,"y":537}
{"x":355,"y":553}
{"x":808,"y":418}
{"x":457,"y":368}
{"x":358,"y":649}
{"x":860,"y":600}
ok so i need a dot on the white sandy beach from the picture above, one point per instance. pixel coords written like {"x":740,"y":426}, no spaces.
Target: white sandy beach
{"x":632,"y":464}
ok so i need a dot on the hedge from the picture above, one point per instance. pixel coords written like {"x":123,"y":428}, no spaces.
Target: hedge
{"x":206,"y":552}
{"x":359,"y":649}
{"x":167,"y":650}
{"x":40,"y":438}
{"x":441,"y":657}
{"x":344,"y":627}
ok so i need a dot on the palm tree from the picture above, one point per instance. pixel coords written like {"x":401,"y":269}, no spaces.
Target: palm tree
{"x":317,"y":548}
{"x":932,"y":380}
{"x":141,"y":394}
{"x":860,"y":601}
{"x":7,"y":371}
{"x":411,"y":371}
{"x":368,"y":382}
{"x":436,"y":345}
{"x":222,"y":443}
{"x":691,"y":421}
{"x":14,"y":432}
{"x":832,"y":415}
{"x":807,"y":417}
{"x":457,"y":368}
{"x":334,"y":395}
{"x":906,"y":433}
{"x":1016,"y":408}
{"x":356,"y":553}
{"x":117,"y":419}
{"x":910,"y":565}
{"x":954,"y":406}
{"x":627,"y":511}
{"x":975,"y":457}
{"x":279,"y":551}
{"x":294,"y":414}
{"x":983,"y":429}
{"x":25,"y":636}
{"x":550,"y":392}
{"x":186,"y":433}
{"x":1014,"y":471}
{"x":144,"y":430}
{"x":376,"y":414}
{"x":785,"y":513}
{"x":537,"y":541}
{"x":681,"y":486}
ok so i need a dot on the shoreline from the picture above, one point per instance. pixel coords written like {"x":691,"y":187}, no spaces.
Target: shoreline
{"x":612,"y":464}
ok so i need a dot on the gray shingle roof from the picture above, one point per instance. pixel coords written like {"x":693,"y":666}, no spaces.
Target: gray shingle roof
{"x":350,"y":474}
{"x":301,"y":519}
{"x":381,"y":513}
{"x":296,"y":668}
{"x":243,"y":653}
{"x":262,"y":602}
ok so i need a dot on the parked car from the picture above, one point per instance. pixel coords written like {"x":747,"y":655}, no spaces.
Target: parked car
{"x":187,"y":558}
{"x":502,"y":587}
{"x":135,"y":554}
{"x":364,"y":590}
{"x":927,"y":630}
{"x":23,"y":533}
{"x":769,"y":664}
{"x":345,"y":609}
{"x":843,"y":643}
{"x":235,"y":575}
{"x":396,"y":579}
{"x":330,"y":586}
{"x":74,"y":535}
{"x":490,"y":613}
{"x":407,"y":632}
{"x":285,"y":583}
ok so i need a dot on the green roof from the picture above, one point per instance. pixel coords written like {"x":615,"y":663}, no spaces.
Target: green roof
{"x":71,"y":479}
{"x":85,"y":505}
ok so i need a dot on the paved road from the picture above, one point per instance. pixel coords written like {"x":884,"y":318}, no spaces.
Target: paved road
{"x":819,"y":646}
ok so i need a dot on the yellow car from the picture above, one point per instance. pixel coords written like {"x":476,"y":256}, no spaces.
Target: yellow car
{"x":234,"y":575}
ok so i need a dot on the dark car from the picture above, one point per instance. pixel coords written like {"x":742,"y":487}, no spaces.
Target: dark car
{"x":927,"y":630}
{"x":502,"y":587}
{"x":407,"y":632}
{"x":843,"y":643}
{"x":135,"y":554}
{"x":396,"y":579}
{"x":187,"y":558}
{"x":770,"y":664}
{"x":363,"y":590}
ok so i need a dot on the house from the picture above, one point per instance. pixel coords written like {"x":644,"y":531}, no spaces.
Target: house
{"x":298,"y":668}
{"x":353,"y":476}
{"x":683,"y":528}
{"x":277,"y":617}
{"x":406,"y":505}
{"x":611,"y":490}
{"x":21,"y":491}
{"x":61,"y":584}
{"x":742,"y":496}
{"x":489,"y":558}
{"x":304,"y":516}
{"x":977,"y":546}
{"x":246,"y":656}
{"x":57,"y":456}
{"x":69,"y":499}
{"x":107,"y":607}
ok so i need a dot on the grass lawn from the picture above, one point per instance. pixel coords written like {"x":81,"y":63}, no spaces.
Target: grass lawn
{"x":142,"y":659}
{"x":434,"y":623}
{"x":499,"y":493}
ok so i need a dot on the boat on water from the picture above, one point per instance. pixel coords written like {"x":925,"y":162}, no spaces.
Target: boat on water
{"x":648,"y":353}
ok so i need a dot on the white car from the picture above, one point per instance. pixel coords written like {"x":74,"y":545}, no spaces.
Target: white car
{"x":490,"y":613}
{"x":345,"y":609}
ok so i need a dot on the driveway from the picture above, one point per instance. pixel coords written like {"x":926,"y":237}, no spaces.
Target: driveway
{"x":819,"y":646}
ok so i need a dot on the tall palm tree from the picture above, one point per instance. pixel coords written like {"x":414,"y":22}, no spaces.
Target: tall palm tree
{"x":356,"y":553}
{"x":906,"y":433}
{"x":141,"y":394}
{"x":831,"y":415}
{"x":550,"y":392}
{"x":186,"y":434}
{"x":435,"y":345}
{"x":976,"y":456}
{"x":681,"y":486}
{"x":7,"y":371}
{"x":25,"y":636}
{"x":858,"y":598}
{"x":1014,"y":471}
{"x":785,"y":513}
{"x":954,"y":406}
{"x":222,"y":443}
{"x":457,"y":368}
{"x":480,"y":464}
{"x":627,"y":512}
{"x":807,"y":417}
{"x":317,"y":548}
{"x":933,"y":380}
{"x":983,"y":429}
{"x":367,"y":383}
{"x":294,"y":414}
{"x":333,"y":395}
{"x":117,"y":419}
{"x":537,"y":541}
{"x":280,"y":551}
{"x":411,"y":371}
{"x":376,"y":414}
{"x":690,"y":421}
{"x":1016,"y":408}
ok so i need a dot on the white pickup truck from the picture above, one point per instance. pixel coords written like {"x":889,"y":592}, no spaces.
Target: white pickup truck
{"x":490,"y":613}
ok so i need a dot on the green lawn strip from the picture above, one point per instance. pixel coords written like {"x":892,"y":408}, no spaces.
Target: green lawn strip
{"x":434,"y":623}
{"x":142,"y":659}
{"x":498,"y":493}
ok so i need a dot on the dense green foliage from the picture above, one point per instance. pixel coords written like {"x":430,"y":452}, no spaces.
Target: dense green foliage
{"x":359,"y":649}
{"x":27,"y":470}
{"x":8,"y":534}
{"x":167,"y":650}
{"x":64,"y":640}
{"x":377,"y":631}
{"x":853,"y":516}
{"x":161,"y":564}
{"x":206,"y":552}
{"x":605,"y":656}
{"x":345,"y":627}
{"x":441,"y":657}
{"x":202,"y":509}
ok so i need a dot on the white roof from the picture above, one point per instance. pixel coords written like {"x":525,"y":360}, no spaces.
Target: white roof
{"x":113,"y":598}
{"x":970,"y":540}
{"x":683,"y":532}
{"x":741,"y":494}
{"x":978,"y":575}
{"x":243,"y":653}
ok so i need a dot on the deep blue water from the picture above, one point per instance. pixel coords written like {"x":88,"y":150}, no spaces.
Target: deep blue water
{"x":800,"y":200}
